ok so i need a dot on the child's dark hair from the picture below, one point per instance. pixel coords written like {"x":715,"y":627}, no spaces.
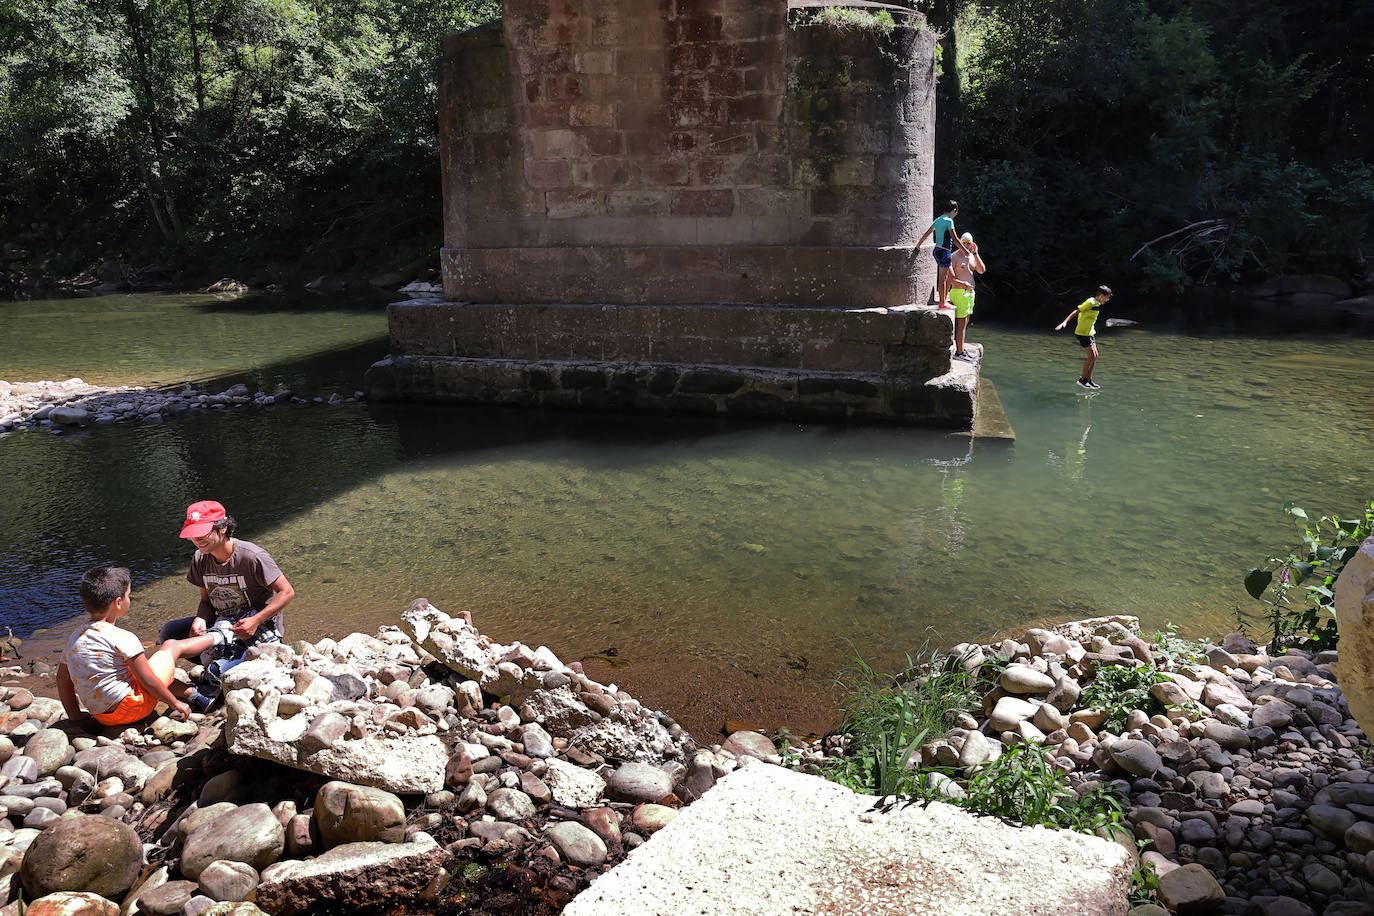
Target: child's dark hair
{"x":950,"y":205}
{"x":226,"y":525}
{"x":1105,"y":289}
{"x":102,"y":586}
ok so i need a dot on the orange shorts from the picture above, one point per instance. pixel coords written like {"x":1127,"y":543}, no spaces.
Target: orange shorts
{"x":140,"y":703}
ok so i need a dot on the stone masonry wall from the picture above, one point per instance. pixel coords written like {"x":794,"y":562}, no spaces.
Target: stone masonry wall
{"x":685,"y":151}
{"x":874,"y":365}
{"x":904,"y":340}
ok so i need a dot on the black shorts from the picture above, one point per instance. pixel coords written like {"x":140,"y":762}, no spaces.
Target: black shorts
{"x":1086,"y":342}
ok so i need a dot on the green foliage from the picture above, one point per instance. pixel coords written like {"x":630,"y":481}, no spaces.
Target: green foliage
{"x":136,"y":128}
{"x":1116,"y":690}
{"x":1160,"y":145}
{"x":1021,"y":785}
{"x":787,"y":748}
{"x":1144,"y":883}
{"x":1177,"y":650}
{"x":888,"y":718}
{"x":1299,"y":613}
{"x":846,"y":17}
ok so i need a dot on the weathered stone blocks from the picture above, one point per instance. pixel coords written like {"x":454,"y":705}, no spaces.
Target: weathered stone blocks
{"x":713,"y":153}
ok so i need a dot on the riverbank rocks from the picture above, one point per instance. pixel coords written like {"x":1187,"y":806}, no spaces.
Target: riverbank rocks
{"x":70,"y":404}
{"x":577,"y":844}
{"x":90,"y":854}
{"x":367,"y":753}
{"x":250,"y":834}
{"x":594,"y":719}
{"x":1190,"y":889}
{"x":512,"y":748}
{"x":1246,"y":776}
{"x":347,"y":813}
{"x":360,"y":874}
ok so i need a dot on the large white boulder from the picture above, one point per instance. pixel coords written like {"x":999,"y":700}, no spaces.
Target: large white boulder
{"x":1354,"y":598}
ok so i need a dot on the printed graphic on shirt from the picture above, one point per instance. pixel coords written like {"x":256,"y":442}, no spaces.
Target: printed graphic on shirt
{"x":228,"y":595}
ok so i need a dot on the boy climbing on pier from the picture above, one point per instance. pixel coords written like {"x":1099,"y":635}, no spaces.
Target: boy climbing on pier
{"x":1087,"y":312}
{"x":103,"y":666}
{"x":946,"y":241}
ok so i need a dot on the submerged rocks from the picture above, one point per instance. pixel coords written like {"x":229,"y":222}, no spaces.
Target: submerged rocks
{"x":73,"y":403}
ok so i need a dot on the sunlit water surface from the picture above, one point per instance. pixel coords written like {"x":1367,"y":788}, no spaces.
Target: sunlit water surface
{"x":719,"y":570}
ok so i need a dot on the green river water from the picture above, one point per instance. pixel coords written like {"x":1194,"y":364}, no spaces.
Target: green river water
{"x":717,"y":570}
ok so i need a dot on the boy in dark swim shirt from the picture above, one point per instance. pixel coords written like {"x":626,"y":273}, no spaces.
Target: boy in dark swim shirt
{"x":1087,"y":313}
{"x":946,"y":241}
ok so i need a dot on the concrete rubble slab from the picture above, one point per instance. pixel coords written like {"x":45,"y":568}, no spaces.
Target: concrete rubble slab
{"x":766,"y":840}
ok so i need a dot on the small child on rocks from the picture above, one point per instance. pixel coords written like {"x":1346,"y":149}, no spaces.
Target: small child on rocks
{"x":103,"y":667}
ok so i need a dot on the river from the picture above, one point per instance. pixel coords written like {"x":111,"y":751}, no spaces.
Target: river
{"x":715,"y":569}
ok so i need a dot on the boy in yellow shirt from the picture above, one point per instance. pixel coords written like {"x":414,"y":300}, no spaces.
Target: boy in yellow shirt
{"x":1087,"y":312}
{"x":103,"y":666}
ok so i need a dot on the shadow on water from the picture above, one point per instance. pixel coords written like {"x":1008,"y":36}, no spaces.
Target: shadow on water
{"x":116,"y":493}
{"x":303,"y":303}
{"x":326,"y":371}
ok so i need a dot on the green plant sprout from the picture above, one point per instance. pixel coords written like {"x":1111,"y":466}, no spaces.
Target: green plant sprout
{"x":1299,"y":614}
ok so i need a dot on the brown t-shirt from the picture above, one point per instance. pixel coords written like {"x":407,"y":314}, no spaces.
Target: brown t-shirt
{"x":240,"y":586}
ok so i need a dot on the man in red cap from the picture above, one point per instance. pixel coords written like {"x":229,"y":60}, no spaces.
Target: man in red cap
{"x":242,"y":593}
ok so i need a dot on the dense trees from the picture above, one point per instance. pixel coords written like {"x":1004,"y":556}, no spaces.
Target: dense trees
{"x":1158,"y":143}
{"x":247,"y":129}
{"x":1163,"y":142}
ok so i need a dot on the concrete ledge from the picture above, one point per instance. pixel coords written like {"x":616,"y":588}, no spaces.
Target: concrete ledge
{"x":767,"y":842}
{"x":906,"y":339}
{"x":826,"y":276}
{"x":742,"y":391}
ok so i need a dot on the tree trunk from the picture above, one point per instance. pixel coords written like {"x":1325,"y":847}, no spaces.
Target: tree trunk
{"x":949,"y":109}
{"x":155,"y":173}
{"x":141,"y":158}
{"x":195,"y":64}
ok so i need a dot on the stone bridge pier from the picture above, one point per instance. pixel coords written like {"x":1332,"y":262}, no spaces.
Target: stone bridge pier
{"x":690,"y":206}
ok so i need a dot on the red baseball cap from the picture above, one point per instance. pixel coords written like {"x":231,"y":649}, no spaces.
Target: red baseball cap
{"x":201,"y":518}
